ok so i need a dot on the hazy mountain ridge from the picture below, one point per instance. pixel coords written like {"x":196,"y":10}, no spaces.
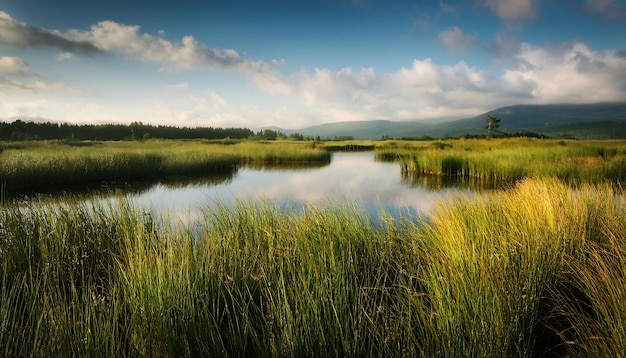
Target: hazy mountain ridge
{"x":599,"y":120}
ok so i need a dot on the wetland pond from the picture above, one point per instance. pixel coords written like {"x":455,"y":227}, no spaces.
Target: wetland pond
{"x":351,"y":177}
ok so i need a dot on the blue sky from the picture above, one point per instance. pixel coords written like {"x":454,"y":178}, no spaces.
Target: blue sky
{"x":298,"y":63}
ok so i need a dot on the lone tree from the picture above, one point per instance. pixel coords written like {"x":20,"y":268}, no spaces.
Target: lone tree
{"x":492,"y":123}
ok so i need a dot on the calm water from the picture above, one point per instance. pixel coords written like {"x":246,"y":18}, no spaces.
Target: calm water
{"x":350,"y":177}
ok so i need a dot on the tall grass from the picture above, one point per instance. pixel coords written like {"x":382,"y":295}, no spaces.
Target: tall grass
{"x":279,"y":152}
{"x":507,"y":160}
{"x":36,"y":165}
{"x":496,"y":263}
{"x":537,"y":270}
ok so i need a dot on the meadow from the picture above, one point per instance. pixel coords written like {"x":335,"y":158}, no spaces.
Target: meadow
{"x":538,"y":269}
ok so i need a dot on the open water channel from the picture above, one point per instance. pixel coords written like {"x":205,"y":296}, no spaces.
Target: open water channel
{"x":355,"y":178}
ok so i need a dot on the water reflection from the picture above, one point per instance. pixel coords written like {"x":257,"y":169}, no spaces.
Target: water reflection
{"x":350,"y":177}
{"x":285,"y":166}
{"x":355,"y":177}
{"x":438,"y":183}
{"x":117,"y":188}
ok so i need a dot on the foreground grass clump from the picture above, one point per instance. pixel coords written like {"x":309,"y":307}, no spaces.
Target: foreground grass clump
{"x":495,"y":275}
{"x":507,"y":160}
{"x":500,"y":274}
{"x":50,"y":164}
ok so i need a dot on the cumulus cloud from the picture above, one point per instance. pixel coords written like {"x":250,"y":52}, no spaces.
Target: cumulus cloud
{"x":130,"y":41}
{"x":19,"y":34}
{"x":570,"y":73}
{"x":424,"y":89}
{"x":14,"y":65}
{"x":427,"y":90}
{"x":512,"y":10}
{"x":456,"y":40}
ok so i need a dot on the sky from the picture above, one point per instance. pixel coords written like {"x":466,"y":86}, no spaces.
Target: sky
{"x":296,"y":63}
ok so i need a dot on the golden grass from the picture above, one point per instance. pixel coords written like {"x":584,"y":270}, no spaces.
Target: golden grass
{"x":535,"y":270}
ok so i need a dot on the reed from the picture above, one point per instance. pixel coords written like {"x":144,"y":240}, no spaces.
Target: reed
{"x":278,"y":152}
{"x":502,"y":274}
{"x":508,"y":160}
{"x":495,"y":260}
{"x":58,"y":295}
{"x":50,"y":164}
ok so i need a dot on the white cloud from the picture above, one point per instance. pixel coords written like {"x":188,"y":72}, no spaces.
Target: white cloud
{"x":345,"y":85}
{"x":130,"y":41}
{"x":456,"y":40}
{"x":423,"y":89}
{"x":571,"y":73}
{"x":17,"y":77}
{"x":179,"y":86}
{"x":9,"y":87}
{"x":58,"y":87}
{"x":512,"y":10}
{"x":427,"y":90}
{"x":14,"y":65}
{"x":272,"y":82}
{"x":64,"y":56}
{"x":218,"y":101}
{"x":188,"y":53}
{"x":12,"y":109}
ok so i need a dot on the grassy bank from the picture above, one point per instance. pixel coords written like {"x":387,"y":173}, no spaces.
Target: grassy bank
{"x":535,"y":270}
{"x":50,"y":164}
{"x":507,"y":160}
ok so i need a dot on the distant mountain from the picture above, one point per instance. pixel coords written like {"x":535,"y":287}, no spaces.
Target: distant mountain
{"x":551,"y":119}
{"x":601,"y":121}
{"x":364,"y":129}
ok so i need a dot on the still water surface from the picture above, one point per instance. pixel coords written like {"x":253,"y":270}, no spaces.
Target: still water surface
{"x":356,"y":178}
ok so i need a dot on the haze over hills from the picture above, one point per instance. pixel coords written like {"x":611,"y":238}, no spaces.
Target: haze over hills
{"x":585,"y":121}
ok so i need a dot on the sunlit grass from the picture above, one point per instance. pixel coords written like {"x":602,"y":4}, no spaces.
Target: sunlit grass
{"x":507,"y":160}
{"x":36,"y":165}
{"x":279,"y":152}
{"x":536,"y":269}
{"x":49,"y":164}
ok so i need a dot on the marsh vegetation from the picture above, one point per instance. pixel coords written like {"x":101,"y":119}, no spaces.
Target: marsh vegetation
{"x":534,"y":270}
{"x":50,"y":164}
{"x":508,"y":160}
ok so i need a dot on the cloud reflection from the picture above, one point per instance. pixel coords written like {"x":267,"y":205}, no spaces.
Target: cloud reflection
{"x":355,"y":178}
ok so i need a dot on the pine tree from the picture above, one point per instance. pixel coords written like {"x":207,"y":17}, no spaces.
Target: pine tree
{"x":492,"y":123}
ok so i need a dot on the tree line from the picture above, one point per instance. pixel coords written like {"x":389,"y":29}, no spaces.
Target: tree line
{"x":21,"y":130}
